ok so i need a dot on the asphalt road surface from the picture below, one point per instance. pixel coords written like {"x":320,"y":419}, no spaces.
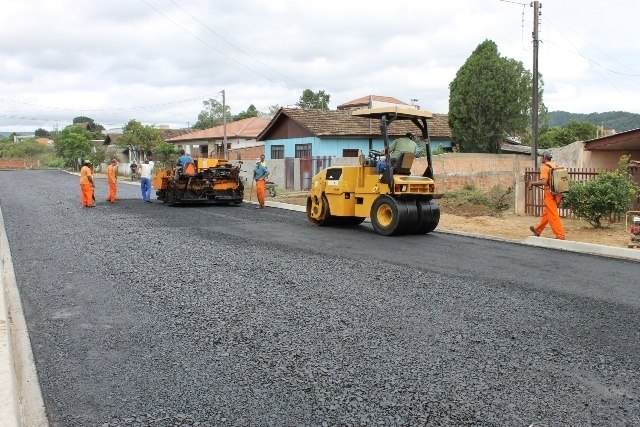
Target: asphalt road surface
{"x":146,"y":315}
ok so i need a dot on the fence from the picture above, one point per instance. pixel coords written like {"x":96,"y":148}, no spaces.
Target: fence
{"x":534,"y":198}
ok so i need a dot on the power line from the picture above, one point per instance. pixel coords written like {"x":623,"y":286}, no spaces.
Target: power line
{"x":233,"y":45}
{"x":206,"y":43}
{"x":591,"y":61}
{"x":116,"y":109}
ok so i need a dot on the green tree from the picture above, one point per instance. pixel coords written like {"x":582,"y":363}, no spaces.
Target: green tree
{"x":582,"y":130}
{"x":165,"y":151}
{"x":252,"y":111}
{"x":555,"y":137}
{"x":25,"y":149}
{"x":98,"y":157}
{"x":42,"y":133}
{"x":212,"y":114}
{"x":490,"y":97}
{"x":73,"y":143}
{"x":610,"y":193}
{"x":575,"y":130}
{"x":90,"y":124}
{"x":310,"y":100}
{"x":139,"y":139}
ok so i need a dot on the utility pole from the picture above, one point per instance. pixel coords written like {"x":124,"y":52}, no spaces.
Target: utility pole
{"x":534,"y":94}
{"x":224,"y":127}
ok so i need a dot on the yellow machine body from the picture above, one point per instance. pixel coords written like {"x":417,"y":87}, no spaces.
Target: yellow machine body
{"x":396,"y":201}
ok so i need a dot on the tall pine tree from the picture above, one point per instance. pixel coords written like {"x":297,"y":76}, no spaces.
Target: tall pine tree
{"x":489,"y":99}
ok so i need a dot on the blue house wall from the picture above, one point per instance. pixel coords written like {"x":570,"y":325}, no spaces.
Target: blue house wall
{"x":334,"y":146}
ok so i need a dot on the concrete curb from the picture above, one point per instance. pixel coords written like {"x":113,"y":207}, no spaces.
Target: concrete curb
{"x":585,"y":248}
{"x":21,"y":402}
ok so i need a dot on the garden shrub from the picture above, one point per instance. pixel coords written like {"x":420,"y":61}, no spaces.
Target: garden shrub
{"x":609,"y":194}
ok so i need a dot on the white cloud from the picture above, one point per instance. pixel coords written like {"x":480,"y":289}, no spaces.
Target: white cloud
{"x":157,"y":60}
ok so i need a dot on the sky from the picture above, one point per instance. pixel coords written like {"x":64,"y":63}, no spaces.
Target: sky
{"x":156,"y":61}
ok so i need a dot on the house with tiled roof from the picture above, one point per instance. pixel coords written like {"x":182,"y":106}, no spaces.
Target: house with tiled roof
{"x":241,"y":137}
{"x":297,"y":133}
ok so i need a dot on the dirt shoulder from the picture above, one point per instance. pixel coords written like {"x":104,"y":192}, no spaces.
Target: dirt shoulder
{"x":477,"y":220}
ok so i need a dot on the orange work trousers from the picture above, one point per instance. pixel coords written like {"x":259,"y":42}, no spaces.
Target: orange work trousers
{"x":86,"y":194}
{"x":111,"y":197}
{"x":551,"y":216}
{"x":261,"y":191}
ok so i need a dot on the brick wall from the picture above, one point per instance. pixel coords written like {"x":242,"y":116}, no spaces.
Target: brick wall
{"x":18,"y":164}
{"x":250,"y":153}
{"x":453,"y":171}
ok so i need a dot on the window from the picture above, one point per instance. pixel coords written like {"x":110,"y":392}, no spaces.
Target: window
{"x":350,"y":152}
{"x":303,"y":150}
{"x":333,"y":174}
{"x":277,"y":151}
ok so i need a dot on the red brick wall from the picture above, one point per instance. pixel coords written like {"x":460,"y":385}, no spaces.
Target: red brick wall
{"x":250,"y":153}
{"x":453,"y":171}
{"x":17,"y":164}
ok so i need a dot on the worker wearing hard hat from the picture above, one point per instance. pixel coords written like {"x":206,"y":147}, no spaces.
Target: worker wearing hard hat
{"x":550,"y":213}
{"x":87,"y":185}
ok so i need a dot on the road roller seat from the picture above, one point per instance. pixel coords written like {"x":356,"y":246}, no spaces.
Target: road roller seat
{"x":403,"y":163}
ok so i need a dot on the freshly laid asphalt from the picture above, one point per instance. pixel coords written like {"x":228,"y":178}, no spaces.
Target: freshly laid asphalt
{"x":150,"y":318}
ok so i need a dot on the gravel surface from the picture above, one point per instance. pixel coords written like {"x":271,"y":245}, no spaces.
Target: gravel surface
{"x":144,"y":315}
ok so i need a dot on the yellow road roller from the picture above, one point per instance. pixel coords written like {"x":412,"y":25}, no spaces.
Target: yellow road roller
{"x":396,"y":201}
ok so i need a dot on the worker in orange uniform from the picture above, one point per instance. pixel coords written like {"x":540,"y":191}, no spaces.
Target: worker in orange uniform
{"x":550,"y":211}
{"x":87,"y":185}
{"x":260,"y":175}
{"x":112,"y":180}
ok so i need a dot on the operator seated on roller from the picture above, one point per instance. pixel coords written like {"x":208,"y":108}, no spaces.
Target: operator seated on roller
{"x":405,"y":144}
{"x":185,"y":165}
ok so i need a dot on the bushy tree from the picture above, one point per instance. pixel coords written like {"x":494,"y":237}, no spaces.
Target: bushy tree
{"x":575,"y":130}
{"x":42,"y":133}
{"x":73,"y":143}
{"x":90,"y":124}
{"x":98,"y":157}
{"x":252,"y":111}
{"x":139,"y":139}
{"x":490,"y":97}
{"x":165,"y":151}
{"x":555,"y":137}
{"x":310,"y":100}
{"x":610,"y":193}
{"x":212,"y":114}
{"x":26,"y":149}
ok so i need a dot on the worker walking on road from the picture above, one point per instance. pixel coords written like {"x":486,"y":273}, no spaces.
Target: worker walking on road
{"x":112,"y":181}
{"x":87,"y":186}
{"x":550,"y":213}
{"x":260,"y":175}
{"x":145,"y":181}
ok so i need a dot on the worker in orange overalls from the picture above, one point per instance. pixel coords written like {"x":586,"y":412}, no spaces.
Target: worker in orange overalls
{"x":550,"y":211}
{"x":87,"y":186}
{"x":112,"y":180}
{"x":260,"y":174}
